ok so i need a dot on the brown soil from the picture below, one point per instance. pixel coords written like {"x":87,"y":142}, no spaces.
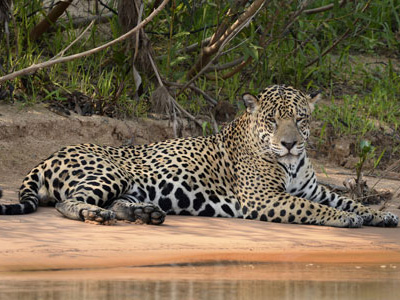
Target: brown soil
{"x":45,"y":240}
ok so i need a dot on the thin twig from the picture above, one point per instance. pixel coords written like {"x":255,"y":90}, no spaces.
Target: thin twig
{"x":242,"y":64}
{"x":61,"y":53}
{"x":160,"y":82}
{"x":322,"y":8}
{"x":108,"y":7}
{"x":190,"y":48}
{"x":188,"y":114}
{"x":208,"y":98}
{"x":234,"y":47}
{"x":47,"y":64}
{"x":333,"y":186}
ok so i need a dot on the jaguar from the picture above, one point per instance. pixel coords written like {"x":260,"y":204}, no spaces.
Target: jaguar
{"x":255,"y":168}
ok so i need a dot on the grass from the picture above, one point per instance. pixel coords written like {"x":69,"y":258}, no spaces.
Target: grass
{"x":363,"y":96}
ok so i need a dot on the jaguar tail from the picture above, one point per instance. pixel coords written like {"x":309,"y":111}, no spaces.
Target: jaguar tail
{"x":28,"y":197}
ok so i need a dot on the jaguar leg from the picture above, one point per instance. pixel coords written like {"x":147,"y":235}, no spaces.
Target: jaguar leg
{"x":86,"y":201}
{"x":78,"y":210}
{"x":370,"y":216}
{"x":285,"y":208}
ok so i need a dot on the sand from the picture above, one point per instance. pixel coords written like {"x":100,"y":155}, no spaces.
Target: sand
{"x":46,"y":240}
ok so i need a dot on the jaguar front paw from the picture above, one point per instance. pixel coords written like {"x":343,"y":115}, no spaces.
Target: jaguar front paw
{"x":381,"y":219}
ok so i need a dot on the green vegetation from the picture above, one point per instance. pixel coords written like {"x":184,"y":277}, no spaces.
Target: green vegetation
{"x":349,"y":51}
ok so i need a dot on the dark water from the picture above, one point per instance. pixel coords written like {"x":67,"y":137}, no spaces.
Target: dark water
{"x":208,"y":282}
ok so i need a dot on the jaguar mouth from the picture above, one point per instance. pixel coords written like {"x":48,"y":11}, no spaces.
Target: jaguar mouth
{"x":288,"y":158}
{"x":289,"y":155}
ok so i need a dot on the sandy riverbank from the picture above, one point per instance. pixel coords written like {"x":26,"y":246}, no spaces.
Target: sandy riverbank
{"x":47,"y":241}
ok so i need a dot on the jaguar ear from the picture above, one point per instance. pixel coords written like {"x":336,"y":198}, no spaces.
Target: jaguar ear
{"x":314,"y":97}
{"x":251,"y":102}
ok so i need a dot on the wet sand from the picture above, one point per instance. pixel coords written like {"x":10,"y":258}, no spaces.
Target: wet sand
{"x":46,"y":241}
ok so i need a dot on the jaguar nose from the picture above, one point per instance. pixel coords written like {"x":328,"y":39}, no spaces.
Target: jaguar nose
{"x":288,"y":145}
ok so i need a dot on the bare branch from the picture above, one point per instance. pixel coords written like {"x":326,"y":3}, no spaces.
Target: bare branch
{"x":228,"y":65}
{"x":160,"y":82}
{"x":190,"y":48}
{"x":323,"y":8}
{"x":61,"y":53}
{"x":242,"y":64}
{"x":84,"y":21}
{"x":189,"y":115}
{"x":228,"y":33}
{"x":50,"y":19}
{"x":47,"y":64}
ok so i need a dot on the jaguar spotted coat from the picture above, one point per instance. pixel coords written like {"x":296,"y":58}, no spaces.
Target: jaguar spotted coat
{"x":255,"y":168}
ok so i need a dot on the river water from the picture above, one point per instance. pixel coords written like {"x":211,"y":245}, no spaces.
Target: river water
{"x":209,"y":281}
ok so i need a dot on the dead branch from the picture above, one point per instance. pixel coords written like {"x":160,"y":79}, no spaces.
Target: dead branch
{"x":323,"y":8}
{"x":194,"y":46}
{"x":50,"y":19}
{"x":264,"y":43}
{"x":228,"y":65}
{"x":237,"y":27}
{"x":292,"y":19}
{"x":242,"y":64}
{"x":139,"y":11}
{"x":223,"y":33}
{"x":47,"y":64}
{"x":85,"y":21}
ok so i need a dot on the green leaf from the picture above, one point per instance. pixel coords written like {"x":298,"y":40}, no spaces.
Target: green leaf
{"x":178,"y":60}
{"x":180,"y":34}
{"x":251,"y":50}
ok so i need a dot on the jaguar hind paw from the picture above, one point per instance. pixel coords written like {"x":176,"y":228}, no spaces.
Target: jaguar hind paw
{"x":98,"y":216}
{"x":139,"y":213}
{"x":149,"y":214}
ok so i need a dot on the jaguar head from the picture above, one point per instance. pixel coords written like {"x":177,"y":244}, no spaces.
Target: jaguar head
{"x":280,"y":121}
